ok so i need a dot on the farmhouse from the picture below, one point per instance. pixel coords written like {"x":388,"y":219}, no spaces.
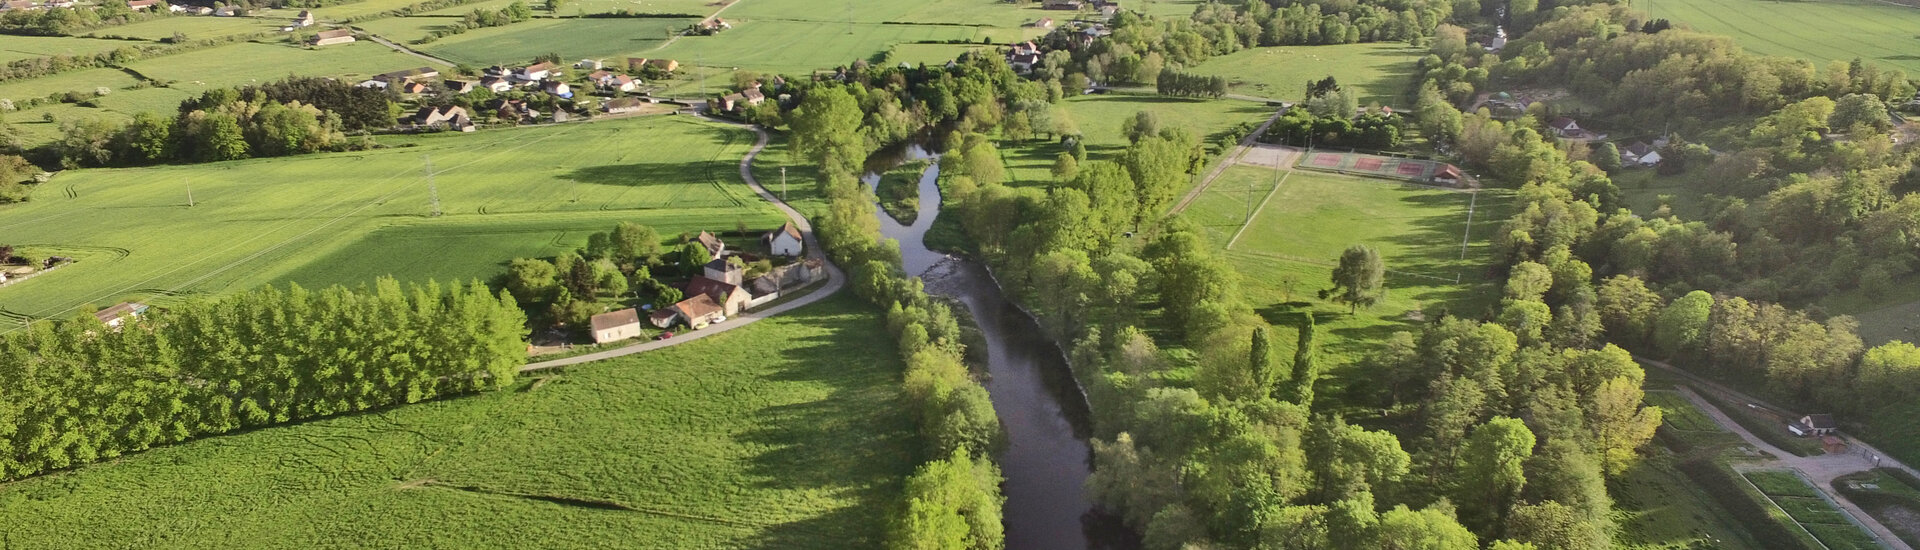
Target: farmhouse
{"x":557,"y":88}
{"x":588,"y":64}
{"x":731,"y":297}
{"x":305,"y":19}
{"x":459,"y":86}
{"x":616,"y":325}
{"x":414,"y":88}
{"x":1566,"y":128}
{"x":638,"y":63}
{"x":1070,"y":5}
{"x":617,"y":83}
{"x":142,"y":5}
{"x":119,"y":313}
{"x":335,"y":36}
{"x":712,"y":243}
{"x":1639,"y":154}
{"x":495,"y":84}
{"x":533,"y":73}
{"x":1813,"y":424}
{"x":623,"y":105}
{"x":428,"y":116}
{"x":785,"y":241}
{"x":698,"y":311}
{"x":409,"y":75}
{"x":723,"y":271}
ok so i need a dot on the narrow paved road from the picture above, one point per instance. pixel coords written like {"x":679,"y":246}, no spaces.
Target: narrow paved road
{"x":1821,"y":470}
{"x":404,"y":49}
{"x":835,"y":279}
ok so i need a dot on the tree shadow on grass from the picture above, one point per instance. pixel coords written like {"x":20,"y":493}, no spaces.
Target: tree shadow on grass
{"x":858,"y":442}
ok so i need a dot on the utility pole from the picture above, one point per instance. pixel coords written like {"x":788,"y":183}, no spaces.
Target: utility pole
{"x":783,"y":184}
{"x":189,"y":193}
{"x":433,"y":192}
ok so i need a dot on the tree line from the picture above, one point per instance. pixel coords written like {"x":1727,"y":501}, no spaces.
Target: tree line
{"x":1176,"y":83}
{"x":291,"y":117}
{"x":55,"y":21}
{"x":480,"y":19}
{"x":79,"y":391}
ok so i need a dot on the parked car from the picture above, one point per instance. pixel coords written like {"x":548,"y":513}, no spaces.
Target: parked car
{"x":719,"y":319}
{"x":663,"y":336}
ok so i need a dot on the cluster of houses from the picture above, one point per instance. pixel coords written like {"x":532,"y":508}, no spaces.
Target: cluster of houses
{"x":1106,"y":8}
{"x":740,"y":101}
{"x":721,"y":290}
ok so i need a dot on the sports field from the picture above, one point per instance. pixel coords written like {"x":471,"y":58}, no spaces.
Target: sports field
{"x":1099,"y":118}
{"x":1381,"y":71}
{"x":1375,"y":166}
{"x":306,"y":217}
{"x":743,"y":440}
{"x":1299,"y":230}
{"x":1816,"y":30}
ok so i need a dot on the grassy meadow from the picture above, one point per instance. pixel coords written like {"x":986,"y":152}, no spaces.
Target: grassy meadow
{"x":746,"y":439}
{"x":1820,"y":31}
{"x":25,"y":47}
{"x":571,"y":38}
{"x":1381,"y":71}
{"x":306,"y":218}
{"x":250,"y":63}
{"x":1100,"y":116}
{"x":1298,"y":235}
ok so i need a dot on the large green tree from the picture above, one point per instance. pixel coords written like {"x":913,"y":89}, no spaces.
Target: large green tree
{"x":1357,"y":279}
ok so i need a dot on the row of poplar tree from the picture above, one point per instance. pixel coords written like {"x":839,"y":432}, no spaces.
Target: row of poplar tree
{"x":78,"y":391}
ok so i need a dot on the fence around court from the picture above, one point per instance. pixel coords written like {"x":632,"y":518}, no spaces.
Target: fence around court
{"x":1364,"y":164}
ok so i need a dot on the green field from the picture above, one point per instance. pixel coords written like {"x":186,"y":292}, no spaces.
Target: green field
{"x":1657,"y":507}
{"x":747,"y":439}
{"x":198,"y":27}
{"x":1302,"y":229}
{"x":15,"y":48}
{"x":934,"y":54}
{"x":1099,"y":118}
{"x":250,"y":63}
{"x":571,"y":38}
{"x":800,"y":47}
{"x":1381,"y":71}
{"x":1820,"y":31}
{"x":262,"y":220}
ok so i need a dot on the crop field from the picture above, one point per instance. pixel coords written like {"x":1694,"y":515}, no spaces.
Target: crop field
{"x":800,"y":47}
{"x":744,"y":439}
{"x":571,"y":38}
{"x":1806,"y":506}
{"x":1820,"y":31}
{"x":933,"y":54}
{"x":1099,"y":118}
{"x":257,"y":220}
{"x":26,"y":47}
{"x":985,"y":13}
{"x":252,"y":63}
{"x":197,"y":27}
{"x":1297,"y":235}
{"x":1381,"y":71}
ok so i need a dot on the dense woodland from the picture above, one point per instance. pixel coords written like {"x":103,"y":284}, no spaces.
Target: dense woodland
{"x":290,"y":117}
{"x":79,"y":391}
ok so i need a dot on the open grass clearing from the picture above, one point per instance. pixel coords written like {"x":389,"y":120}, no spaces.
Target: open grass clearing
{"x":1381,"y":71}
{"x":571,"y":38}
{"x":1820,"y":31}
{"x":783,"y":434}
{"x":16,"y":48}
{"x":1099,"y":118}
{"x":1679,"y":413}
{"x":258,"y":220}
{"x":198,"y":27}
{"x":1295,"y":239}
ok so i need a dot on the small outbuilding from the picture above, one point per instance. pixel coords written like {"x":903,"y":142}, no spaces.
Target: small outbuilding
{"x":785,"y":241}
{"x":120,"y":313}
{"x":1813,"y":425}
{"x":713,"y":244}
{"x":335,"y":36}
{"x":616,"y":325}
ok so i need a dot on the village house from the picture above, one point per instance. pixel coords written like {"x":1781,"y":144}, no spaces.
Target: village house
{"x":515,"y":110}
{"x":1499,"y":41}
{"x":618,"y":83}
{"x":561,"y":115}
{"x":1566,"y":128}
{"x":785,"y":241}
{"x":374,"y":83}
{"x":724,"y":271}
{"x":731,"y":297}
{"x":1812,"y":425}
{"x":712,"y":243}
{"x":1069,"y":5}
{"x":615,"y":326}
{"x":588,"y":64}
{"x":305,"y":19}
{"x":120,"y":313}
{"x":638,"y":63}
{"x":331,"y":37}
{"x":414,"y":88}
{"x":142,"y":5}
{"x":698,"y":311}
{"x":557,"y":88}
{"x":533,"y":73}
{"x":495,"y":84}
{"x":1639,"y":154}
{"x":623,"y":105}
{"x":459,"y":86}
{"x":428,"y":116}
{"x":1042,"y":23}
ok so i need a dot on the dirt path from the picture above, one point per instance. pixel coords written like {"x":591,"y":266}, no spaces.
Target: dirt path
{"x":1821,"y":470}
{"x":835,"y":279}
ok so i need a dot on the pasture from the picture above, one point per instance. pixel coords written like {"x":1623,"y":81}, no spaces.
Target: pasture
{"x":1100,"y":116}
{"x":198,"y":27}
{"x":571,"y":38}
{"x":744,"y":439}
{"x":1297,"y":232}
{"x":26,"y":47}
{"x":800,"y":47}
{"x":1820,"y":31}
{"x":249,"y":63}
{"x":1382,"y":72}
{"x":258,"y":221}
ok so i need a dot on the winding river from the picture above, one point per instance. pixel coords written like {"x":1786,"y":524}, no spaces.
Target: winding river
{"x":1033,"y":390}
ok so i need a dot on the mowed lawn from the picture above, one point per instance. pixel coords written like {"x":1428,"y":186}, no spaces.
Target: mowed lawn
{"x":1381,"y":71}
{"x":1820,"y":31}
{"x":1099,"y":118}
{"x":1299,"y":234}
{"x":783,"y":434}
{"x":257,"y":221}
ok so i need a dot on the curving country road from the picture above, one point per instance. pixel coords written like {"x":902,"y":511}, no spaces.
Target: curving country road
{"x":835,"y":279}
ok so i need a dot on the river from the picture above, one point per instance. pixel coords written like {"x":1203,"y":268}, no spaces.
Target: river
{"x":1047,"y":459}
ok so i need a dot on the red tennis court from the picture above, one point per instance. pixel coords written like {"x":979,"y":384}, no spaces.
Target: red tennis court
{"x":1411,"y":169}
{"x":1368,"y":164}
{"x":1326,"y":161}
